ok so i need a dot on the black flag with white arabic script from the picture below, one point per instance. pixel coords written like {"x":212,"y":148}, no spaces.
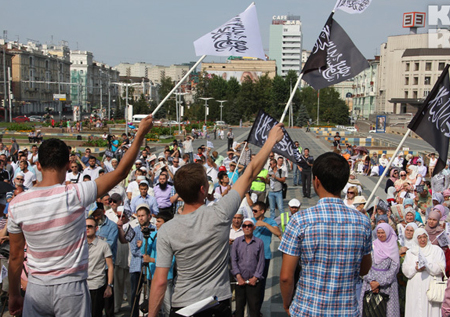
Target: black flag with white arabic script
{"x":260,"y":131}
{"x":432,"y":120}
{"x":334,"y":58}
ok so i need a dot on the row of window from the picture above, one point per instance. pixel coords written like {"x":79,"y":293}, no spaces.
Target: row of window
{"x":428,"y":66}
{"x":415,"y":94}
{"x":415,"y":81}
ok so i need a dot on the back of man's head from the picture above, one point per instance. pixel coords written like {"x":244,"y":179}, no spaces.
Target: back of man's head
{"x":333,"y":172}
{"x":188,"y":180}
{"x":53,"y":154}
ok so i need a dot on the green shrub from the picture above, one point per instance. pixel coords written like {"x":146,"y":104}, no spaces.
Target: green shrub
{"x":96,"y":143}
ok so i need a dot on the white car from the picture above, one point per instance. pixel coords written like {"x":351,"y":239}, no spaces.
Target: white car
{"x":352,"y":129}
{"x":373,"y":131}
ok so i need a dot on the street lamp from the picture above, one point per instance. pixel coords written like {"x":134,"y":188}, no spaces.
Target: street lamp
{"x":206,"y":105}
{"x":221,"y":106}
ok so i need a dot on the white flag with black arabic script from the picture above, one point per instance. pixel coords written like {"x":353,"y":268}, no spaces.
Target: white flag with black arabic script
{"x":352,"y":6}
{"x":238,"y":37}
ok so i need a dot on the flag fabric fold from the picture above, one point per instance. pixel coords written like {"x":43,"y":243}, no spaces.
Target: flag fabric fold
{"x":240,"y":36}
{"x":432,"y":121}
{"x":352,"y":6}
{"x":334,"y":58}
{"x":260,"y":131}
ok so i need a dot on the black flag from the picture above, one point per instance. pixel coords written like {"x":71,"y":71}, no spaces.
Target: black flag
{"x":260,"y":131}
{"x":334,"y":58}
{"x":432,"y":121}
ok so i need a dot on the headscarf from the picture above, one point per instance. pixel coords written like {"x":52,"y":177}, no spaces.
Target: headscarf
{"x":438,"y":197}
{"x":388,"y":248}
{"x":382,"y":217}
{"x":413,"y":175}
{"x":426,"y":251}
{"x":391,"y":175}
{"x":436,"y":230}
{"x":408,"y":201}
{"x":410,"y":210}
{"x":391,"y":192}
{"x":409,"y":243}
{"x":446,"y":192}
{"x":354,"y":182}
{"x":442,"y":211}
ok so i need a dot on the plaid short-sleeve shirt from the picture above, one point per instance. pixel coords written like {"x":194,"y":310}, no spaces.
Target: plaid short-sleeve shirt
{"x":331,"y":240}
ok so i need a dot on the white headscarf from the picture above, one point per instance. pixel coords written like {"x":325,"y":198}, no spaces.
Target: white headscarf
{"x":427,"y":250}
{"x":409,"y":243}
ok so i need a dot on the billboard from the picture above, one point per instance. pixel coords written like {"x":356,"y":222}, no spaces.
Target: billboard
{"x":380,"y":126}
{"x":239,"y":75}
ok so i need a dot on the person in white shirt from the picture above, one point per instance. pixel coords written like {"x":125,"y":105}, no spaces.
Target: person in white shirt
{"x":398,"y":161}
{"x":432,"y":165}
{"x":73,"y":176}
{"x":92,"y":170}
{"x":29,"y":177}
{"x":421,"y":169}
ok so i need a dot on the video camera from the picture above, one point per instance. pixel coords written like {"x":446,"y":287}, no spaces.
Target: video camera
{"x":146,"y":232}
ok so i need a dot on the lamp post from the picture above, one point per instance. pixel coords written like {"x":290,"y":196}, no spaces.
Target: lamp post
{"x":178,"y":107}
{"x":221,"y":106}
{"x":206,"y":105}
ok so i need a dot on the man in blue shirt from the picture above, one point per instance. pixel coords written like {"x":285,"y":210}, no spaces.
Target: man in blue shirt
{"x":333,"y":243}
{"x":144,"y":198}
{"x":265,"y":228}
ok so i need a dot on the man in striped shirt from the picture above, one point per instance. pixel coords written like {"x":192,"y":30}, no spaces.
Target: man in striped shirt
{"x":51,"y":218}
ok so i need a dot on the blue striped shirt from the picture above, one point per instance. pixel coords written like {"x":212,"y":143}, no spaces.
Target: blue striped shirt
{"x":330,"y":240}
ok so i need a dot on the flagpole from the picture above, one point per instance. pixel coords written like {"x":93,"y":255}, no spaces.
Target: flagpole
{"x":291,"y":97}
{"x":387,"y":168}
{"x":179,"y":84}
{"x":237,"y":164}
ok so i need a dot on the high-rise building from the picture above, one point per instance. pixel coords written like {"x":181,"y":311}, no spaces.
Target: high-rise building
{"x":285,"y":45}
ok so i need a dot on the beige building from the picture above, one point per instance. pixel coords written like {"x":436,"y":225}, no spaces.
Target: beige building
{"x":241,"y":68}
{"x":365,"y":90}
{"x":153,"y":72}
{"x":37,"y":74}
{"x":407,"y":72}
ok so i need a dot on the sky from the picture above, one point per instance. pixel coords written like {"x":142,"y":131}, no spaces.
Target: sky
{"x":162,"y":32}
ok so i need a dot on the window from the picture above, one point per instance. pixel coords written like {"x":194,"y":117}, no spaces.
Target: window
{"x":425,"y":93}
{"x":416,"y":66}
{"x":427,"y":66}
{"x":441,"y":66}
{"x":427,"y":80}
{"x":406,"y":95}
{"x":416,"y":81}
{"x":406,"y":80}
{"x":407,"y":67}
{"x":415,"y":94}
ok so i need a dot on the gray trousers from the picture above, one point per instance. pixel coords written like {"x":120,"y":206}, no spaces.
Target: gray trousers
{"x":62,"y":300}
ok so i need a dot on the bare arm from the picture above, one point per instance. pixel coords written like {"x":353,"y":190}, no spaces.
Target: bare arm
{"x":157,"y":291}
{"x":17,"y":244}
{"x":109,"y":180}
{"x":243,"y":183}
{"x":287,"y":283}
{"x":81,"y":162}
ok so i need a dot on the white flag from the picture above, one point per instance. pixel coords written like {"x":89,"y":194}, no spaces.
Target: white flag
{"x":352,"y":6}
{"x":238,"y":37}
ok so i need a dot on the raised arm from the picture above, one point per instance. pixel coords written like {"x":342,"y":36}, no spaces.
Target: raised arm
{"x":109,"y":180}
{"x":243,"y":183}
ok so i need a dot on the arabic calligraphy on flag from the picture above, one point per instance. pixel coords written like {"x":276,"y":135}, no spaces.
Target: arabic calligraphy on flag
{"x":240,"y":36}
{"x":352,"y":6}
{"x":334,"y":58}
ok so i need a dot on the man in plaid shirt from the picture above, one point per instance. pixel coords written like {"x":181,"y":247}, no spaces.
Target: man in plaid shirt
{"x":333,"y":243}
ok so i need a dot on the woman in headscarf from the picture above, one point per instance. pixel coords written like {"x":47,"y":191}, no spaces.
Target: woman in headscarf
{"x":436,"y":199}
{"x":417,"y":303}
{"x":383,"y":162}
{"x":410,"y":216}
{"x":408,"y":242}
{"x":433,"y":228}
{"x":401,"y":182}
{"x":424,"y":202}
{"x":443,"y":211}
{"x":393,"y":177}
{"x":409,"y":202}
{"x":412,"y":175}
{"x":382,"y":277}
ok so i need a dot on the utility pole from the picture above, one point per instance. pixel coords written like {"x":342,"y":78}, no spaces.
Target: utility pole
{"x":318,"y":104}
{"x":221,"y":106}
{"x":5,"y":89}
{"x":109,"y":97}
{"x":10,"y":94}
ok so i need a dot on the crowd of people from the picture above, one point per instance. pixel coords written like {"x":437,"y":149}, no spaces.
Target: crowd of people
{"x":87,"y":233}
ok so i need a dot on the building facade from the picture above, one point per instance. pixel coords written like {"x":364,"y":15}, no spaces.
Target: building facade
{"x":407,"y":72}
{"x":285,"y":44}
{"x":365,"y":90}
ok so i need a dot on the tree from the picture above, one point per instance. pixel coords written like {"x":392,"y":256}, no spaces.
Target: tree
{"x":302,"y":116}
{"x":169,"y":106}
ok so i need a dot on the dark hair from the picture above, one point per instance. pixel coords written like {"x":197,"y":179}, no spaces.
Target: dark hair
{"x":93,"y":219}
{"x":188,"y":180}
{"x":164,"y":215}
{"x":333,"y":172}
{"x":147,"y":211}
{"x":221,"y":175}
{"x":53,"y":154}
{"x":87,"y":177}
{"x":92,"y":158}
{"x":261,"y":205}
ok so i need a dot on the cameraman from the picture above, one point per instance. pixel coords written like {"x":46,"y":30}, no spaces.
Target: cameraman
{"x":144,"y":217}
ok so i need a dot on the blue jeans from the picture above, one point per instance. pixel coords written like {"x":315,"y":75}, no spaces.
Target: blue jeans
{"x":297,"y":175}
{"x":276,"y":199}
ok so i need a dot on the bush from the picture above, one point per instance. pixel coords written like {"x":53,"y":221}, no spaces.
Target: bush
{"x":20,"y":127}
{"x":96,"y":143}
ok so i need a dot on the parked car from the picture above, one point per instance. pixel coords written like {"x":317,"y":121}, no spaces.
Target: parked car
{"x":36,"y":118}
{"x":352,"y":129}
{"x":221,"y":124}
{"x":21,"y":119}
